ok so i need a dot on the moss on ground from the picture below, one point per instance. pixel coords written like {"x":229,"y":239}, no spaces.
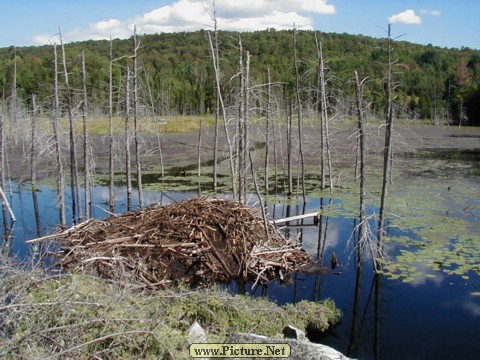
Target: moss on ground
{"x":76,"y":316}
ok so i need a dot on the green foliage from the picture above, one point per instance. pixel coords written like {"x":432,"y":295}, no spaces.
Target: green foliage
{"x":177,"y":74}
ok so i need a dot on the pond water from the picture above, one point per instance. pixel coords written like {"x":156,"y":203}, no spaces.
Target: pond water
{"x":420,"y":308}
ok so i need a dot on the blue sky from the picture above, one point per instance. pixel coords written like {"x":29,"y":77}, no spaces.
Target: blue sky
{"x":445,"y":23}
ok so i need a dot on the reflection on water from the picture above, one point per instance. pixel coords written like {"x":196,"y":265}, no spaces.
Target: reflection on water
{"x":429,"y":318}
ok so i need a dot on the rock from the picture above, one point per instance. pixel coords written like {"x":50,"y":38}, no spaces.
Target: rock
{"x":300,"y":349}
{"x":291,"y":332}
{"x":196,"y":334}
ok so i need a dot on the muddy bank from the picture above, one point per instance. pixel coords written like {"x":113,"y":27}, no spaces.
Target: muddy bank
{"x":180,"y":151}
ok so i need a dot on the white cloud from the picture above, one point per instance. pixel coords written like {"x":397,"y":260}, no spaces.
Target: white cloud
{"x":406,"y":17}
{"x":190,"y":15}
{"x":431,"y":12}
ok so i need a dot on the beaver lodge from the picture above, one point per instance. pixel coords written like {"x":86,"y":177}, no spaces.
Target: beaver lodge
{"x":193,"y":242}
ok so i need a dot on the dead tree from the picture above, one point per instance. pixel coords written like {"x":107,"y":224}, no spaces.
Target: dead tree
{"x":359,"y":85}
{"x":33,"y":167}
{"x":86,"y":150}
{"x":199,"y":149}
{"x":218,"y":99}
{"x":128,"y":170}
{"x":299,"y":114}
{"x":387,"y":155}
{"x":289,"y":147}
{"x":243,"y":133}
{"x":111,"y":173}
{"x":75,"y":186}
{"x":56,"y":143}
{"x":136,"y":46}
{"x":267,"y":128}
{"x":153,"y":112}
{"x":221,"y":108}
{"x":325,"y":138}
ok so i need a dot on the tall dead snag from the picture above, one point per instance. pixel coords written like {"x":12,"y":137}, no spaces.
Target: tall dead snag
{"x":33,"y":166}
{"x":128,"y":170}
{"x":243,"y":133}
{"x":267,"y":129}
{"x":86,"y":150}
{"x":199,"y":149}
{"x":56,"y":141}
{"x":221,"y":108}
{"x":299,"y":114}
{"x":218,"y":98}
{"x":111,"y":196}
{"x":362,"y":152}
{"x":289,"y":146}
{"x":325,"y":138}
{"x":152,"y":105}
{"x":241,"y":161}
{"x":5,"y":205}
{"x":75,"y":186}
{"x":362,"y":228}
{"x":388,"y":148}
{"x":136,"y":46}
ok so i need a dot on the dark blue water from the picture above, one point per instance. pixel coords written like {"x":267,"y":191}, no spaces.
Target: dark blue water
{"x":426,"y":319}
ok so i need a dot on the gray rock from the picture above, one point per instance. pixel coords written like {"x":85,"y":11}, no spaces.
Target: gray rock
{"x":196,"y":334}
{"x":300,"y":349}
{"x":291,"y":332}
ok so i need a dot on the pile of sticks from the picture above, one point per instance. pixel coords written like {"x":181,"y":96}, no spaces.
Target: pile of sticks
{"x":194,"y":242}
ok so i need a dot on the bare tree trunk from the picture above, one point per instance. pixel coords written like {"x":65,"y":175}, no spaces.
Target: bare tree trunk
{"x":300,"y":115}
{"x":128,"y":170}
{"x":325,"y":133}
{"x":33,"y":167}
{"x":218,"y":100}
{"x":136,"y":45}
{"x":111,"y":172}
{"x":319,"y":102}
{"x":241,"y":126}
{"x":58,"y":152}
{"x":224,"y":114}
{"x":260,"y":200}
{"x":387,"y":149}
{"x":159,"y":141}
{"x":86,"y":152}
{"x":267,"y":130}
{"x":199,"y":147}
{"x":75,"y":186}
{"x":361,"y":133}
{"x":246,"y":124}
{"x":289,"y":148}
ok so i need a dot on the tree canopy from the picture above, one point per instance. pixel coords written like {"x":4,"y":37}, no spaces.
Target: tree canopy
{"x":433,"y":82}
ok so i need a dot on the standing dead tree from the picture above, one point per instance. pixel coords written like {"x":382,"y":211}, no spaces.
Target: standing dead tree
{"x":33,"y":166}
{"x":75,"y":186}
{"x":359,"y":85}
{"x":243,"y":123}
{"x":387,"y":155}
{"x":299,"y":114}
{"x":267,"y":128}
{"x":136,"y":46}
{"x":128,"y":171}
{"x":222,"y":108}
{"x":322,"y":103}
{"x":86,"y":150}
{"x":56,"y":142}
{"x":111,"y":173}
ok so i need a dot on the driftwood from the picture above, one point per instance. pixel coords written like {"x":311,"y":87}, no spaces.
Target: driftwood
{"x":192,"y":242}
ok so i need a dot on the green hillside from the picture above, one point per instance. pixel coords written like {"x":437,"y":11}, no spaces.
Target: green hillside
{"x":177,"y":74}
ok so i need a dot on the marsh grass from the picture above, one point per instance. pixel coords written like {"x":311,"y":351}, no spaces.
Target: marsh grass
{"x":77,"y":316}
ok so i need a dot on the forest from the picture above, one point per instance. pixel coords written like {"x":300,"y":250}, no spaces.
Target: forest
{"x":177,"y":75}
